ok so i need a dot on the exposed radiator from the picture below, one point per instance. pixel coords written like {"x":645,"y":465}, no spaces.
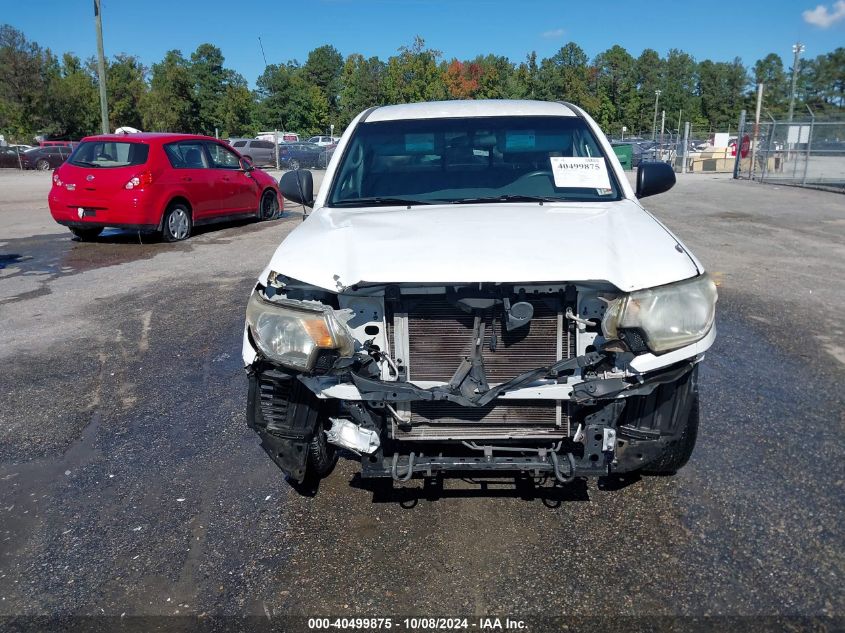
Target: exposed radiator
{"x":439,"y":336}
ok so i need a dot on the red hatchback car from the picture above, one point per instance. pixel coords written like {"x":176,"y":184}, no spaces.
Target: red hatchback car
{"x":158,"y":182}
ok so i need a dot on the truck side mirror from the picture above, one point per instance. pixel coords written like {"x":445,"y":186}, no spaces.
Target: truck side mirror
{"x":653,"y":178}
{"x":298,"y":186}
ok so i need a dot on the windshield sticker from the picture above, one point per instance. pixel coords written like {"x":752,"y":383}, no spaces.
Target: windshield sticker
{"x":588,"y":173}
{"x":517,"y":140}
{"x":419,"y":142}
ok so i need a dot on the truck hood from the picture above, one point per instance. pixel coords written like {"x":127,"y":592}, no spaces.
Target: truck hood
{"x":615,"y":242}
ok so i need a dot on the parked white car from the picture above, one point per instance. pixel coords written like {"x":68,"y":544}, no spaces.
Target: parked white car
{"x":323,"y":141}
{"x":283,"y":137}
{"x":478,"y":289}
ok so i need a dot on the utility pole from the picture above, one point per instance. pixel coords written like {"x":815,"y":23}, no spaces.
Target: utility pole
{"x":654,"y":122}
{"x":739,"y":135}
{"x":797,"y":49}
{"x":756,"y":132}
{"x":101,"y":68}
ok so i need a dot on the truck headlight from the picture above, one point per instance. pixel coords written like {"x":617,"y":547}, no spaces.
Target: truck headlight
{"x":291,"y":333}
{"x":669,"y":317}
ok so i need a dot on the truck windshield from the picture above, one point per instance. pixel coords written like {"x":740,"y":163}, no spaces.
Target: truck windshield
{"x":109,"y":154}
{"x":467,"y":160}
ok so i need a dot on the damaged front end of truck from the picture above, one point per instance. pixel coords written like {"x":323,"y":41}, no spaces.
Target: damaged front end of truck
{"x":564,"y":380}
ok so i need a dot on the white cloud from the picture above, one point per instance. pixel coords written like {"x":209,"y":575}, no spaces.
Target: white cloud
{"x":823,"y":17}
{"x":555,"y":33}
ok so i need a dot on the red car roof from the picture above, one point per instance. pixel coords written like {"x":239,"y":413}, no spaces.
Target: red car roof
{"x":147,"y":137}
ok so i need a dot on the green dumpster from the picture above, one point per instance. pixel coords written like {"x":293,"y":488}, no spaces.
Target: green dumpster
{"x":625,"y":153}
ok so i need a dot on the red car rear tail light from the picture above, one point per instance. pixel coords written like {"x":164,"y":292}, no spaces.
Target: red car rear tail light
{"x":142,"y":179}
{"x":57,"y":182}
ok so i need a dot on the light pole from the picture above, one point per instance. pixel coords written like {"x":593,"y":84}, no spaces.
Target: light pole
{"x":101,"y":68}
{"x":797,"y":49}
{"x":654,"y":122}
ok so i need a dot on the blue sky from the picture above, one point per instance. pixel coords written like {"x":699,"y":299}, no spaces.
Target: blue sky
{"x":714,"y":29}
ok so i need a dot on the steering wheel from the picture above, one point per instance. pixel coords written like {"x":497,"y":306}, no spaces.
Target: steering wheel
{"x":534,"y":174}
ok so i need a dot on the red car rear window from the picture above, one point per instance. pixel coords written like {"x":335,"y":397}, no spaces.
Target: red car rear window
{"x":109,"y":154}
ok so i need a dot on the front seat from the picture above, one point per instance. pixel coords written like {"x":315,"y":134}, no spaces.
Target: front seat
{"x":193,"y":159}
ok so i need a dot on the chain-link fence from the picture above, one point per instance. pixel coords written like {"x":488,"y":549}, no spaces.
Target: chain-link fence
{"x":808,"y":153}
{"x":677,"y":146}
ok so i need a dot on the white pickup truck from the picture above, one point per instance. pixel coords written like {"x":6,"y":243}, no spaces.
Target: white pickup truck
{"x":478,"y":290}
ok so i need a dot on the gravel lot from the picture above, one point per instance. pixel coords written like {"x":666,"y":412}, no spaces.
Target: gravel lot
{"x":131,"y":485}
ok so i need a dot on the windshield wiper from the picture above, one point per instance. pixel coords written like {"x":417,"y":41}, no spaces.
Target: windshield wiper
{"x":508,"y":197}
{"x":377,"y":201}
{"x":84,"y":163}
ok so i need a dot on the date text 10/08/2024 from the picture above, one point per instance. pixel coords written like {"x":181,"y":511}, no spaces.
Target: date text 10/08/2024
{"x":418,"y":623}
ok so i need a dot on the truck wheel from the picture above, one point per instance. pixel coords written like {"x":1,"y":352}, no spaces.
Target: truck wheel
{"x":86,"y":235}
{"x":667,"y":419}
{"x":677,"y":453}
{"x":176,"y":224}
{"x":322,"y":456}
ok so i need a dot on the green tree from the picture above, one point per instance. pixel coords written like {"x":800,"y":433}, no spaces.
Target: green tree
{"x":169,"y":106}
{"x":362,"y":83}
{"x":24,"y":77}
{"x":237,"y":110}
{"x":649,"y":71}
{"x":566,"y":76}
{"x":680,"y":89}
{"x":414,"y":75}
{"x":323,"y":69}
{"x":126,"y":82}
{"x":73,"y":100}
{"x":769,"y":72}
{"x":524,"y":83}
{"x":42,"y":94}
{"x":209,"y":79}
{"x":721,"y":86}
{"x":835,"y":77}
{"x":307,"y":108}
{"x":273,"y":89}
{"x":822,"y":82}
{"x":289,"y":101}
{"x":616,"y":87}
{"x":494,"y":81}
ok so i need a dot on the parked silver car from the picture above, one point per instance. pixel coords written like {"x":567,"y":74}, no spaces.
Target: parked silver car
{"x":257,"y":151}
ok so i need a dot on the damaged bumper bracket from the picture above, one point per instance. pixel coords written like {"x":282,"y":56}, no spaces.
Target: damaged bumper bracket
{"x":588,"y":391}
{"x":372,"y":389}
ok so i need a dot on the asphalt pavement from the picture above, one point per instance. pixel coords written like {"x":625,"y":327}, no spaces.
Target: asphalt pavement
{"x":131,"y":486}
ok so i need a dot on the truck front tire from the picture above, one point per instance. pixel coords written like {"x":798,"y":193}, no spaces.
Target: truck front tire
{"x":322,"y":456}
{"x":660,"y":429}
{"x":290,"y":420}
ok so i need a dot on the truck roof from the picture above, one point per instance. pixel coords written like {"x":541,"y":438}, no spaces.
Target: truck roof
{"x":469,"y":108}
